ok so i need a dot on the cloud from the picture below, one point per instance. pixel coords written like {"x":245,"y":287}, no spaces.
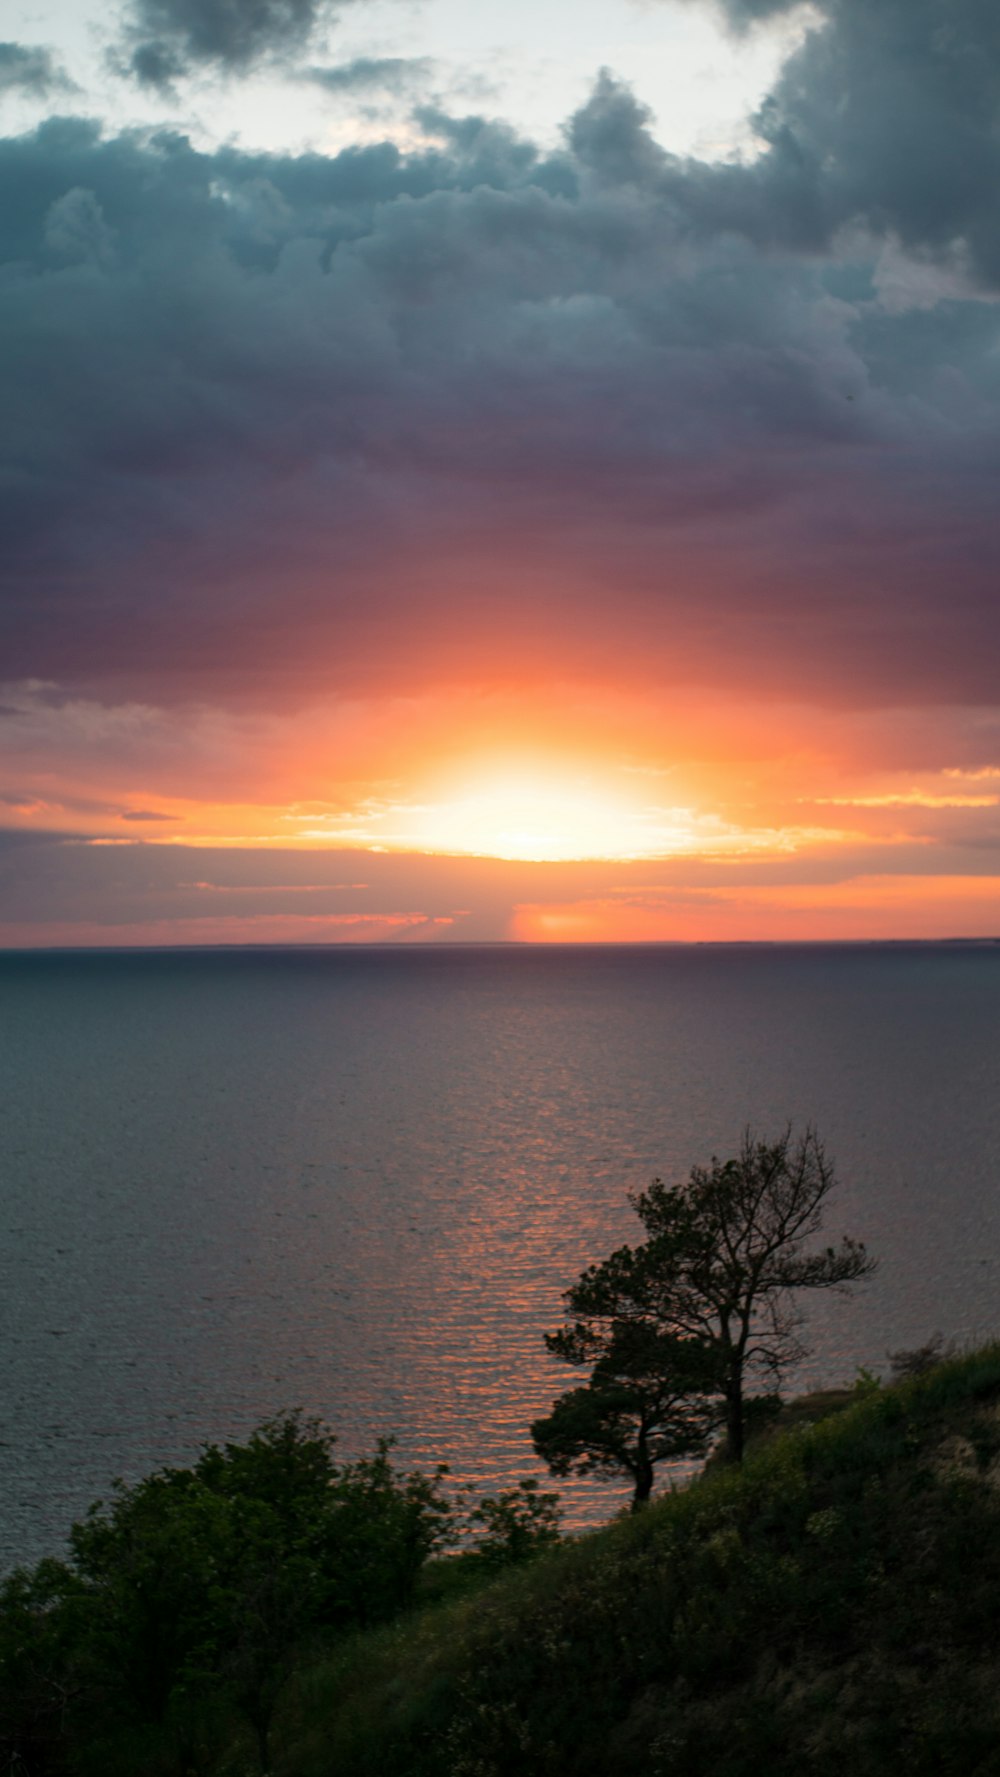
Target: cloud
{"x":373,"y":74}
{"x":167,"y":39}
{"x":271,"y":888}
{"x":743,"y":13}
{"x":907,"y":799}
{"x":862,"y":907}
{"x":59,"y":890}
{"x":32,"y":70}
{"x":886,"y":114}
{"x":75,"y":227}
{"x":284,"y":427}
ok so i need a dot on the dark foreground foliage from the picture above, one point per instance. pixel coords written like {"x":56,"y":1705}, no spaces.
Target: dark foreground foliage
{"x":165,"y":1642}
{"x":187,"y":1599}
{"x":834,"y":1606}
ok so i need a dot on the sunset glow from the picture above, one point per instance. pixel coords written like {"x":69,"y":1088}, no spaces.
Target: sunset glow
{"x":532,"y":507}
{"x":542,"y":819}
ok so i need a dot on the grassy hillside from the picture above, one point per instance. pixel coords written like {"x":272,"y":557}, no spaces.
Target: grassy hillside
{"x":833,"y":1607}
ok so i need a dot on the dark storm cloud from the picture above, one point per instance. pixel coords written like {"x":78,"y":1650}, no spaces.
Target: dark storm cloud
{"x":28,"y":68}
{"x":886,"y":114}
{"x":306,"y":422}
{"x":166,"y":39}
{"x":744,"y":13}
{"x":368,"y":74}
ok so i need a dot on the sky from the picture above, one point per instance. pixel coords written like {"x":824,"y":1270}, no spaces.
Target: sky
{"x":520,"y":471}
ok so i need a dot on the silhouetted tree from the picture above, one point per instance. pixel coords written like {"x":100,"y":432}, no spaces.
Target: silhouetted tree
{"x":648,"y":1400}
{"x":706,"y":1303}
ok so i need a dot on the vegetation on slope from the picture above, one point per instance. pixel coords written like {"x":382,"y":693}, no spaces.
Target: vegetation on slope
{"x":165,"y":1641}
{"x":832,"y":1605}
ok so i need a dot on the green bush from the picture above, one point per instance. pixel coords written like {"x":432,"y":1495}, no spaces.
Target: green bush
{"x":196,"y":1589}
{"x":516,"y":1525}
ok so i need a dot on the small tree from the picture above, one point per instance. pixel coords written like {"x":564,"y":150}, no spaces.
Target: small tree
{"x":516,"y":1525}
{"x":204,"y":1582}
{"x":647,"y":1401}
{"x":704,"y":1305}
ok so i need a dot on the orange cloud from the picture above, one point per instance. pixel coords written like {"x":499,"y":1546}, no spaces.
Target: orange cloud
{"x":560,"y":798}
{"x":907,"y":799}
{"x":268,"y":928}
{"x":867,"y":907}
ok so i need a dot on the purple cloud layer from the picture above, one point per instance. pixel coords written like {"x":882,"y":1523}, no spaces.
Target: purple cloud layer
{"x":275,"y":425}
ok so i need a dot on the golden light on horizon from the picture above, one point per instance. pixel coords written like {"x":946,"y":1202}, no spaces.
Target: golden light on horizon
{"x":525,"y":813}
{"x":544,"y":820}
{"x":546,"y":814}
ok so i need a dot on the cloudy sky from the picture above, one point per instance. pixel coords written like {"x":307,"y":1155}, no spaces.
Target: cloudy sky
{"x":523,"y":470}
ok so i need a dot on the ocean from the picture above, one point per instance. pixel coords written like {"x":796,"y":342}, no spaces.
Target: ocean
{"x":357,"y":1180}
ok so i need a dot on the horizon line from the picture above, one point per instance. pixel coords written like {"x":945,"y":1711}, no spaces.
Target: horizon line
{"x":445,"y":944}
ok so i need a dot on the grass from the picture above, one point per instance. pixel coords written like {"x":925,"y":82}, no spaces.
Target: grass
{"x":832,"y":1606}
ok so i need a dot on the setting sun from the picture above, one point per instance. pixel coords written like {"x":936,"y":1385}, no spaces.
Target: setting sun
{"x":545,"y":823}
{"x":538,"y":820}
{"x":550,"y":812}
{"x":585,"y":532}
{"x":535,"y":815}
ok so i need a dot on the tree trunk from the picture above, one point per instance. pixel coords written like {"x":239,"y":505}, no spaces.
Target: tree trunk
{"x":643,"y":1476}
{"x":734,"y":1424}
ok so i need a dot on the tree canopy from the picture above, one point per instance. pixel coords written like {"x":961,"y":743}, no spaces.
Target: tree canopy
{"x":188,"y":1598}
{"x":647,"y":1401}
{"x":677,"y":1328}
{"x":192,"y":1590}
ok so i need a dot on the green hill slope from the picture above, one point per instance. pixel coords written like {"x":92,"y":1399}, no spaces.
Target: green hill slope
{"x":832,"y":1607}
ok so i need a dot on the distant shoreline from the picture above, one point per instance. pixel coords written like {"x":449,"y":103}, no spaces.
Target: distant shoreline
{"x":440,"y":945}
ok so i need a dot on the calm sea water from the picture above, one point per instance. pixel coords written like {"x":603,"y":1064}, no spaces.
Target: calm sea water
{"x":357,"y":1180}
